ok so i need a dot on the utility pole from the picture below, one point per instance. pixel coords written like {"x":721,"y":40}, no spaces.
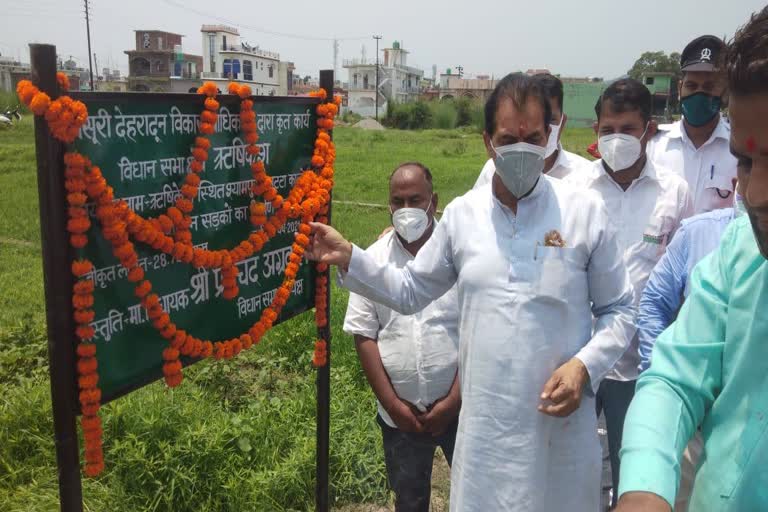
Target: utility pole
{"x":377,"y":75}
{"x":88,"y":33}
{"x":335,"y":58}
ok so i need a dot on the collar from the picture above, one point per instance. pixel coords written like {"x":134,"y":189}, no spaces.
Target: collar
{"x":649,"y":171}
{"x":722,"y":131}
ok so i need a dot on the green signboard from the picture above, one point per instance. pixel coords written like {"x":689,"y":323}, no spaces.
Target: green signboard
{"x":142,"y":144}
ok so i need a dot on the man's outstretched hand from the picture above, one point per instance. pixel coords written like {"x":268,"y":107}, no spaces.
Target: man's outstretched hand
{"x":326,"y":245}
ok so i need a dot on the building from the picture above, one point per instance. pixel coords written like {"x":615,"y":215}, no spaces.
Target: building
{"x":663,"y":87}
{"x":579,"y":98}
{"x":159,"y":64}
{"x":454,"y":85}
{"x":398,"y":82}
{"x":11,"y":72}
{"x":227,"y":58}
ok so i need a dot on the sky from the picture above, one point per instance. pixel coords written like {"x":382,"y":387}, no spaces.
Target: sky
{"x":595,"y":38}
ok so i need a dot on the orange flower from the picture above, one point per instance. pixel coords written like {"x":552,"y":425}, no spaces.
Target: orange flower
{"x":143,"y":289}
{"x":244,"y":91}
{"x":40,"y":103}
{"x":90,"y":409}
{"x":209,"y":89}
{"x":83,"y":287}
{"x":88,"y":381}
{"x":81,"y":267}
{"x":63,"y":81}
{"x":174,"y":380}
{"x":90,"y":396}
{"x":85,"y":332}
{"x":207,"y":128}
{"x":86,"y":349}
{"x":84,"y":316}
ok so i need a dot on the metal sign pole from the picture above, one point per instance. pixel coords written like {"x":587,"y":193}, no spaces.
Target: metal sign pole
{"x":58,"y":286}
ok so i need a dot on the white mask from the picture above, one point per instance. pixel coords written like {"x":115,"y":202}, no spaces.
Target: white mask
{"x":519,"y":166}
{"x":620,"y":150}
{"x":552,"y":141}
{"x":411,"y":223}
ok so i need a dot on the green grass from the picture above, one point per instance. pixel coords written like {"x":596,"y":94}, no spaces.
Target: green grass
{"x":238,"y":435}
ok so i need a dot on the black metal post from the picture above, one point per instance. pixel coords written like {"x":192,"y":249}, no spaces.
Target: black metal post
{"x":58,"y":286}
{"x":88,"y":32}
{"x":324,"y":372}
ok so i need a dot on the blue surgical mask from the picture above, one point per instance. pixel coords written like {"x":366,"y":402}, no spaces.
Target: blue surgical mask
{"x":700,"y":108}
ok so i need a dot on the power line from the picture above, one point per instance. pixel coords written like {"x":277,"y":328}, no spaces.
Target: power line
{"x":259,"y":29}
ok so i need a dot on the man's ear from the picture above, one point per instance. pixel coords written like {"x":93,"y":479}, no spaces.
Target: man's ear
{"x":596,"y":126}
{"x":488,"y":147}
{"x":434,"y":203}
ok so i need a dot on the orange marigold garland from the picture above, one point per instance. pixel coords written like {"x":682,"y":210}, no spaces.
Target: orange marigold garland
{"x":308,"y":200}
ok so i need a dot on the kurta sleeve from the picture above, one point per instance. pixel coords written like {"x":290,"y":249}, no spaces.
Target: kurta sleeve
{"x":409,"y":289}
{"x":682,"y":383}
{"x":361,"y":318}
{"x":662,"y":296}
{"x":611,"y":294}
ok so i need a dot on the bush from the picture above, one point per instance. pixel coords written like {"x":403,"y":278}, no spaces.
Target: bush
{"x":421,"y":116}
{"x":444,"y":116}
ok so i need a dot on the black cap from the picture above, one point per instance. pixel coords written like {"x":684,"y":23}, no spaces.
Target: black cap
{"x":701,"y":54}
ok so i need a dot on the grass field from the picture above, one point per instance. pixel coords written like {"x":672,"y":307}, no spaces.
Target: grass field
{"x":238,"y":435}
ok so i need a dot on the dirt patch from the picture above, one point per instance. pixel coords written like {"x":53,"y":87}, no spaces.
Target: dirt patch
{"x":368,"y":124}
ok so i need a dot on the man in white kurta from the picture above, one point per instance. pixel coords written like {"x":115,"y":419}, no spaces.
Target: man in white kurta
{"x":525,"y":316}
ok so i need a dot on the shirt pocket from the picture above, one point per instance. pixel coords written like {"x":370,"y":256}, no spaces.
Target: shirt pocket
{"x":719,"y":189}
{"x":655,"y":237}
{"x":557,"y":268}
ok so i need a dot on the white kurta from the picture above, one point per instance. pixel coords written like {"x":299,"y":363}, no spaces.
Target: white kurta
{"x":524,"y":309}
{"x":420,"y":351}
{"x":645,"y":218}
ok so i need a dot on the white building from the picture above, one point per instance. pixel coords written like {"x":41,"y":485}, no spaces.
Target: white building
{"x":398,"y":82}
{"x":226,"y":58}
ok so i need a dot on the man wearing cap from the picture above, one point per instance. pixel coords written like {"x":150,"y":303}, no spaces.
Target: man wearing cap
{"x":696,"y":147}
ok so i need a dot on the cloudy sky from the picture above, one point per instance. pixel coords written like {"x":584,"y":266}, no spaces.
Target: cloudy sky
{"x":571,"y":37}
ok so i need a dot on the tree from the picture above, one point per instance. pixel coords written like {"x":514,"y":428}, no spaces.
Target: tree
{"x":656,"y":62}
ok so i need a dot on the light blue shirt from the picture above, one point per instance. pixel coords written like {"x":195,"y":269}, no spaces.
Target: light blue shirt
{"x":668,"y":283}
{"x":709,"y":369}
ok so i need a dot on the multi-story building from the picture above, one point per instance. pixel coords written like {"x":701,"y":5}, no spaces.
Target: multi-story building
{"x":398,"y":82}
{"x":454,"y":85}
{"x":159,"y":64}
{"x":11,"y":72}
{"x":227,"y":58}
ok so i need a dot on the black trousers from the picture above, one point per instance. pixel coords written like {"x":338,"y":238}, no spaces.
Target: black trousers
{"x":409,"y":458}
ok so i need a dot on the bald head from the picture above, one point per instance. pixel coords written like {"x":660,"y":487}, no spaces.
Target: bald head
{"x":410,"y":186}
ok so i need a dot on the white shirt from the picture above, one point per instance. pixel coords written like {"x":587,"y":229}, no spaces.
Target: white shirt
{"x":524,"y":310}
{"x":645,"y":217}
{"x":708,"y":169}
{"x":420,"y":351}
{"x":565,"y":164}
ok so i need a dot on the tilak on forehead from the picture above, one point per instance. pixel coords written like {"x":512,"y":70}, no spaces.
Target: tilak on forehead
{"x":751,"y":144}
